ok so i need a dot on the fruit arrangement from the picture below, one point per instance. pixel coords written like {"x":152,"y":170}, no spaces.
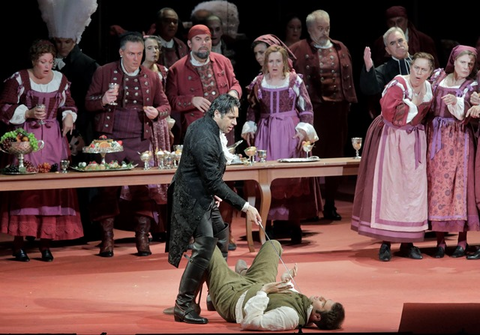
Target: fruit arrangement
{"x":103,"y":145}
{"x":12,"y":139}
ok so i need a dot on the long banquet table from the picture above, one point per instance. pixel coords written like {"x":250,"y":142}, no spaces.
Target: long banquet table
{"x":262,"y":173}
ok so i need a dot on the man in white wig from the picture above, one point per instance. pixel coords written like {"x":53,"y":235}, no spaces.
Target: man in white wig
{"x":66,"y":21}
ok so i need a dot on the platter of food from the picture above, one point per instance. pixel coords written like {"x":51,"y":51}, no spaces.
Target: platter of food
{"x":100,"y":167}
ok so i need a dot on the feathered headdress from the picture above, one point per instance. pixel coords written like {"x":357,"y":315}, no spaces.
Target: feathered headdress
{"x":67,"y":18}
{"x":226,"y":11}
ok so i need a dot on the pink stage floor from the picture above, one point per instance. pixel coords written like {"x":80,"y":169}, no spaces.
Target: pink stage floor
{"x":82,"y":293}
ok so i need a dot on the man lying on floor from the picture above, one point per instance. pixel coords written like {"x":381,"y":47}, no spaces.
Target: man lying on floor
{"x":253,"y":298}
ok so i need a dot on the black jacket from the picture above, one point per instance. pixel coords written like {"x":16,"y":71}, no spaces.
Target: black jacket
{"x":198,"y":178}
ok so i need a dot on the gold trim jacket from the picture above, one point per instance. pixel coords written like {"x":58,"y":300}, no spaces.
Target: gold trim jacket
{"x":307,"y":64}
{"x":152,"y":92}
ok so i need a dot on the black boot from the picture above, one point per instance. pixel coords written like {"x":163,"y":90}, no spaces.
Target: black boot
{"x":106,"y":247}
{"x":223,"y":238}
{"x":223,"y":241}
{"x":142,"y":227}
{"x":192,"y":280}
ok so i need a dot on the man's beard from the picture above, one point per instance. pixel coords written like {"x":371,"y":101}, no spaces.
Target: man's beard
{"x":202,"y":55}
{"x":322,"y":40}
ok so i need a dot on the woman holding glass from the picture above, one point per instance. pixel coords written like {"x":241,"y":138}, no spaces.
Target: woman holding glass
{"x":279,"y":119}
{"x":45,"y":214}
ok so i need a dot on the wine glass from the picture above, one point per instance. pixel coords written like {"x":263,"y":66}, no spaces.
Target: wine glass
{"x":307,"y":147}
{"x":357,"y":144}
{"x":114,"y":87}
{"x":40,"y":107}
{"x":251,"y":152}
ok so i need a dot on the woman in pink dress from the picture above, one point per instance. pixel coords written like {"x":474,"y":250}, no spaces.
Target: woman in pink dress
{"x":390,"y":200}
{"x":451,"y":151}
{"x":279,"y":118}
{"x":45,"y":214}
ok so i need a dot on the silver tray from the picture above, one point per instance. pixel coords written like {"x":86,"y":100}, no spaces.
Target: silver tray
{"x":299,"y":160}
{"x":129,"y":167}
{"x":18,"y":173}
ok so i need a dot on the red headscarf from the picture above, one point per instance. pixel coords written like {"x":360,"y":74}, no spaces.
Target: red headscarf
{"x":454,"y":55}
{"x":198,"y":29}
{"x":271,"y":39}
{"x":396,"y":11}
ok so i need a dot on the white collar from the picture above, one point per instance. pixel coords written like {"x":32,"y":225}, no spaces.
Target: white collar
{"x":326,"y":46}
{"x":217,"y":48}
{"x":166,"y":44}
{"x":195,"y":62}
{"x":228,"y":156}
{"x":131,"y":74}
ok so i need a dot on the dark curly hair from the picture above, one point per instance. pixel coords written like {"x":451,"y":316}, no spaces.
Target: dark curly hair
{"x":333,"y":318}
{"x":40,"y":47}
{"x":224,"y":103}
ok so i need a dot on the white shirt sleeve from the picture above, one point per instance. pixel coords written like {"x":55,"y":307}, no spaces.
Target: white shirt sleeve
{"x":282,"y":318}
{"x":19,"y":115}
{"x":249,"y":127}
{"x":307,"y":132}
{"x":458,"y":110}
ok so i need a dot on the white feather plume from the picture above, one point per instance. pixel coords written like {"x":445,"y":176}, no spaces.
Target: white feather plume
{"x":67,"y":18}
{"x":226,"y":11}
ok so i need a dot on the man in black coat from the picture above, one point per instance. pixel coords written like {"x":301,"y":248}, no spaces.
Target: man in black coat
{"x":79,"y":69}
{"x":194,"y":195}
{"x":373,"y":79}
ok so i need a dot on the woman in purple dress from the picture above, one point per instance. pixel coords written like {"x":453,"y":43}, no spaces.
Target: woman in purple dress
{"x":279,"y":119}
{"x":451,"y":151}
{"x":45,"y":214}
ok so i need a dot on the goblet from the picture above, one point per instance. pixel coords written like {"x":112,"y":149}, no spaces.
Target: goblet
{"x":146,"y":157}
{"x":357,"y":144}
{"x":64,"y":164}
{"x":160,"y":155}
{"x":177,"y":154}
{"x":262,"y":154}
{"x":168,"y":160}
{"x":40,"y":107}
{"x":307,"y":147}
{"x":114,"y":87}
{"x":251,"y":152}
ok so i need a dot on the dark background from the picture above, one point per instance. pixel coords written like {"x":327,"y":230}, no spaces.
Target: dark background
{"x":357,"y":24}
